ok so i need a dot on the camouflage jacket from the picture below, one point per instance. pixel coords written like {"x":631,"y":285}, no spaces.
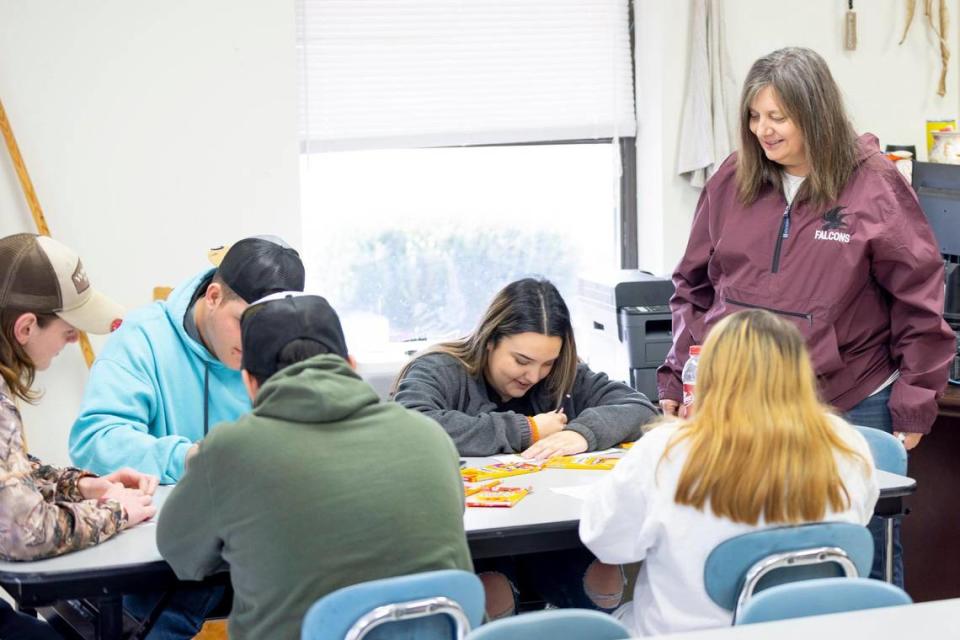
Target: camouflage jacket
{"x":42,"y":512}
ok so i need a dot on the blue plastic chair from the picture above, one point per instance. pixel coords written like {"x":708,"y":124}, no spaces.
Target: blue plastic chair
{"x":889,"y":455}
{"x":820,"y":597}
{"x":428,"y":606}
{"x":555,"y":624}
{"x":752,"y":562}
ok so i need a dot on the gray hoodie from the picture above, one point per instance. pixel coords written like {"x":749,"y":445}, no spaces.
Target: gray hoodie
{"x":603,"y":411}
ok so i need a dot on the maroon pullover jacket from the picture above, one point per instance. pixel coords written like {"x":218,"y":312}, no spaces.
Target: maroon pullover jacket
{"x":862,"y":278}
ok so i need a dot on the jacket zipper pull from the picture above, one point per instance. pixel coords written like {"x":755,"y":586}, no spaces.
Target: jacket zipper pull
{"x":784,"y":234}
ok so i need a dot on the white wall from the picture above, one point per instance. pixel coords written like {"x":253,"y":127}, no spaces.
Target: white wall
{"x":890,"y":90}
{"x":152,"y":131}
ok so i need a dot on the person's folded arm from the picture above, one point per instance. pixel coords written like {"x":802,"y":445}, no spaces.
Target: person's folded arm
{"x":607,"y":412}
{"x":187,"y":534}
{"x":58,"y":483}
{"x":693,"y":296}
{"x":907,"y":264}
{"x":112,"y":429}
{"x":435,"y":392}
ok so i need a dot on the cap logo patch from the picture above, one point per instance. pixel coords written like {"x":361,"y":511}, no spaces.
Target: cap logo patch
{"x":79,"y":277}
{"x":115,"y":324}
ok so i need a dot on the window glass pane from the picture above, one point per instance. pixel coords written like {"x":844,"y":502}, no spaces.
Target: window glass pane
{"x":413,"y":243}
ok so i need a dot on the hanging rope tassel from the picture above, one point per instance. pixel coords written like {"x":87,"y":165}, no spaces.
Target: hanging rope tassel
{"x":850,"y":28}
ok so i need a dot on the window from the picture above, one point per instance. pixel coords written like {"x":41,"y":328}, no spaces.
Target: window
{"x":414,"y":243}
{"x":408,"y":231}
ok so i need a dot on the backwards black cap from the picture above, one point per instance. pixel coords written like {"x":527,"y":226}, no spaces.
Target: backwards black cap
{"x":257,"y":267}
{"x":270,"y":324}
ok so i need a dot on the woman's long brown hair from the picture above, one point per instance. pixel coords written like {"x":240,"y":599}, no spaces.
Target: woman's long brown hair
{"x":809,"y":96}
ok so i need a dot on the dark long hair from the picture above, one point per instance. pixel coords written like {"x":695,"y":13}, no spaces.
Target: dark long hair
{"x":524,"y":306}
{"x":810,"y":97}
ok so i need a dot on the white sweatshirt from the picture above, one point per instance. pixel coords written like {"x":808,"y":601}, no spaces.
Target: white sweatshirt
{"x":631,"y":517}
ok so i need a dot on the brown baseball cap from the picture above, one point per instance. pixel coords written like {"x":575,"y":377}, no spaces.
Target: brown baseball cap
{"x":39,"y":274}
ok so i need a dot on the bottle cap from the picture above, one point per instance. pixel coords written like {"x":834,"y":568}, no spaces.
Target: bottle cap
{"x":695,"y":350}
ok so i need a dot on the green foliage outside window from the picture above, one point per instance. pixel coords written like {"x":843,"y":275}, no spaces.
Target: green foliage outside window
{"x":437,"y":283}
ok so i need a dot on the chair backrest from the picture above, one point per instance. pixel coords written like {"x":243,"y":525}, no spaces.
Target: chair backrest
{"x":820,"y":597}
{"x":432,"y":605}
{"x":741,"y":566}
{"x":555,"y":624}
{"x":889,"y":453}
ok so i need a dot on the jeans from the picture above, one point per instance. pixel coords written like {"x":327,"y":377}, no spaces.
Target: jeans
{"x":556,"y":576}
{"x":18,"y":626}
{"x":874,"y":412}
{"x":182,"y":615}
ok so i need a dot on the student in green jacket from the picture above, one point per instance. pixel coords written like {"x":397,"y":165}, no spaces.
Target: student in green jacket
{"x":321,"y":486}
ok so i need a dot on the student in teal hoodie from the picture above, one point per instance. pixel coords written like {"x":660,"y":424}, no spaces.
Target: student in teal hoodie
{"x":165,"y":379}
{"x":172,"y":370}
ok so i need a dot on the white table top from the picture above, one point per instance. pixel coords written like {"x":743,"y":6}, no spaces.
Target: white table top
{"x":543,"y":506}
{"x":938,"y":620}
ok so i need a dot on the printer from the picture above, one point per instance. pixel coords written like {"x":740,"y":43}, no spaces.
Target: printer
{"x":624,"y":325}
{"x":938,"y":190}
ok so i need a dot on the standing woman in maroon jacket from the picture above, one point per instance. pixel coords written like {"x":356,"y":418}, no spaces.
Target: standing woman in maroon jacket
{"x":813,"y":223}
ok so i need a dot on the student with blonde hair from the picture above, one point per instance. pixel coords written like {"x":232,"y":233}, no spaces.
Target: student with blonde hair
{"x":761,"y":450}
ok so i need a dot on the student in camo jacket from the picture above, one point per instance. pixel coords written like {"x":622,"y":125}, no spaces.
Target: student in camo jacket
{"x":45,"y":299}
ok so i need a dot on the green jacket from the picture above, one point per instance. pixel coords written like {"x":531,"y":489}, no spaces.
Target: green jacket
{"x":320,"y":487}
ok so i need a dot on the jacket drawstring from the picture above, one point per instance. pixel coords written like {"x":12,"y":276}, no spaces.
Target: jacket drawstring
{"x":206,"y":400}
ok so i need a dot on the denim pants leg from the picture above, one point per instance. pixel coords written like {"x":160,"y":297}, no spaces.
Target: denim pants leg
{"x":17,"y":626}
{"x":183,"y":614}
{"x":556,"y":576}
{"x":559,"y":577}
{"x":875,"y":412}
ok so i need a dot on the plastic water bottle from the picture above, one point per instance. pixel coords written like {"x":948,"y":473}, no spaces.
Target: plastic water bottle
{"x":689,"y":379}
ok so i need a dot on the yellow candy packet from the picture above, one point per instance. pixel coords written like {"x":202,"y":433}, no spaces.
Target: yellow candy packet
{"x":498,"y":470}
{"x":582,"y":462}
{"x":503,"y":497}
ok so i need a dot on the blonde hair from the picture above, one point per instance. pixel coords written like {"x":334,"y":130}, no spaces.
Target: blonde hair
{"x":523,"y":306}
{"x":761,"y":444}
{"x":808,"y":95}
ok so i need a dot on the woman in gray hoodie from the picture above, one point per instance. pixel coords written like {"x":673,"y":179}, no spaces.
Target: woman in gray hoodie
{"x":515,"y":385}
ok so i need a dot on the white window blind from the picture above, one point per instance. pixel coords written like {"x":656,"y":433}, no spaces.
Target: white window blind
{"x":418,"y":73}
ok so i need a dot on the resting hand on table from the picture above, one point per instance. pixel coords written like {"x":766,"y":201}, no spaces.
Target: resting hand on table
{"x":133,"y":479}
{"x":136,"y":504}
{"x":95,"y":488}
{"x":562,"y":443}
{"x":909,"y":440}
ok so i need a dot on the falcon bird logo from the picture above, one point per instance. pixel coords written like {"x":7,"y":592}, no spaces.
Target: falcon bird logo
{"x":833,"y":219}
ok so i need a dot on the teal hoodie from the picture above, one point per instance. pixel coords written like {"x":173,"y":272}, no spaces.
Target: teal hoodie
{"x":320,"y":487}
{"x":153,"y":392}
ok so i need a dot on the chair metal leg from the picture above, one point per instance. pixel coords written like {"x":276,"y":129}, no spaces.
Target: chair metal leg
{"x":888,"y":549}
